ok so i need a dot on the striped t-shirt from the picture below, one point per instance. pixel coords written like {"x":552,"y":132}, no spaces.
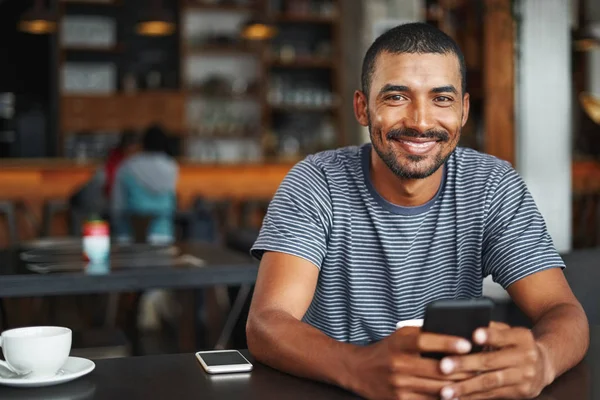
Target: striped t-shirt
{"x":381,"y":263}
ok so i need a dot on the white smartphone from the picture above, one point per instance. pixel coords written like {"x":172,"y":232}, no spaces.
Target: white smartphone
{"x":223,"y":361}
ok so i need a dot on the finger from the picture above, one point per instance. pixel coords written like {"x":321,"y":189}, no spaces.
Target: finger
{"x":415,"y":384}
{"x":480,"y":362}
{"x":503,"y":337}
{"x":484,"y":383}
{"x":401,"y":394}
{"x":496,"y":325}
{"x":499,"y":325}
{"x":414,"y":365}
{"x":511,"y":392}
{"x":410,"y":339}
{"x":435,"y":343}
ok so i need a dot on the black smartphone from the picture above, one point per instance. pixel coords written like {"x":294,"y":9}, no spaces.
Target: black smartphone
{"x":457,"y":318}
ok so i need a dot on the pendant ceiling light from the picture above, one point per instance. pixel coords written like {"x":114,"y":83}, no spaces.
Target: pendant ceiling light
{"x":257,"y":29}
{"x":38,"y":20}
{"x":591,"y":106}
{"x":585,"y":40}
{"x":156,"y":22}
{"x":585,"y":36}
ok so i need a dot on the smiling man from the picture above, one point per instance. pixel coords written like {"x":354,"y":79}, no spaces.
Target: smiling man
{"x":359,"y":238}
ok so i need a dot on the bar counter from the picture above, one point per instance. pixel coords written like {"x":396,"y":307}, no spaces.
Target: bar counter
{"x":35,"y":181}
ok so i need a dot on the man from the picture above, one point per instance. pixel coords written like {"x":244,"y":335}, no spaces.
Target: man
{"x":360,"y":238}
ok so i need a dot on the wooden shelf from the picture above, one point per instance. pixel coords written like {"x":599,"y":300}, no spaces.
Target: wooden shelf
{"x":92,"y":49}
{"x":303,"y":108}
{"x":222,"y":50}
{"x":222,"y":7}
{"x":306,"y":18}
{"x":303,"y":63}
{"x":93,"y":2}
{"x":242,"y":134}
{"x":232,"y":96}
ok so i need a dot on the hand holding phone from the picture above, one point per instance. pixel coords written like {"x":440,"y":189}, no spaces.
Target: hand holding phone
{"x":458,"y":318}
{"x":394,"y":366}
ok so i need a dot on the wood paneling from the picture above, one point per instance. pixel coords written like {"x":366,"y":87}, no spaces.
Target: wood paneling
{"x":499,"y":79}
{"x":123,"y":111}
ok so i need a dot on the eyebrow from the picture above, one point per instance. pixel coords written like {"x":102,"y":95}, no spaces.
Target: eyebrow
{"x":394,"y":88}
{"x":402,"y":88}
{"x":445,"y":89}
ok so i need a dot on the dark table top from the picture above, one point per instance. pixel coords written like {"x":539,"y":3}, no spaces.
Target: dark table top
{"x":583,"y":275}
{"x":181,"y":377}
{"x":140,"y":269}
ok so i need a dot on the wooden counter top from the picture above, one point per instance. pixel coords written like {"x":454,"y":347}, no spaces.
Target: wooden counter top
{"x":56,"y":177}
{"x":34,"y":181}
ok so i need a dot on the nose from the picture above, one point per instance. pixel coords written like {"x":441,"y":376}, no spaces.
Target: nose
{"x":419,"y":117}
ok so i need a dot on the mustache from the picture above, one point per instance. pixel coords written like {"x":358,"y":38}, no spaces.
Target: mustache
{"x":398,"y":134}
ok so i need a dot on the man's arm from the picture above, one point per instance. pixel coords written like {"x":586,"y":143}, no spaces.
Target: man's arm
{"x":560,"y":324}
{"x":525,"y":361}
{"x":276,"y":336}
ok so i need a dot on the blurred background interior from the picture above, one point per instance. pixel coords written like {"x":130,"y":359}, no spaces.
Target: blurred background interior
{"x":246,"y":88}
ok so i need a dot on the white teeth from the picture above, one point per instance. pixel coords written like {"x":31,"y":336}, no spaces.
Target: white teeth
{"x":419,"y":145}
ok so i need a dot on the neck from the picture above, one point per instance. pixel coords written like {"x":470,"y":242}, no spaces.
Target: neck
{"x":402,"y":191}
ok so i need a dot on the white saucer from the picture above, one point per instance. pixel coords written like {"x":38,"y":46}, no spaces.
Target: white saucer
{"x":74,"y":368}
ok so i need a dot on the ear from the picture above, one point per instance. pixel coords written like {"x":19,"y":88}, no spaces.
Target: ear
{"x":361,"y":108}
{"x":466,"y":107}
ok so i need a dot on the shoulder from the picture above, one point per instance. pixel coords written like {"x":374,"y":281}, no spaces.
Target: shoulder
{"x":473,"y":168}
{"x":329,"y":164}
{"x":314,"y":176}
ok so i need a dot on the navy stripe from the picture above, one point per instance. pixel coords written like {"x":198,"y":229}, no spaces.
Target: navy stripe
{"x":380,"y":263}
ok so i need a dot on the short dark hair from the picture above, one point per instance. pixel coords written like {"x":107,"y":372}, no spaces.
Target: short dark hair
{"x":411,"y":38}
{"x":155,"y":139}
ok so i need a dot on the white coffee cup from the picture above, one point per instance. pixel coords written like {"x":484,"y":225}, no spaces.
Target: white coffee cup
{"x":37,"y":351}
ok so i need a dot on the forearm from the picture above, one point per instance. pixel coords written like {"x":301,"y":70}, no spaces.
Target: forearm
{"x":564,"y":334}
{"x":282,"y":342}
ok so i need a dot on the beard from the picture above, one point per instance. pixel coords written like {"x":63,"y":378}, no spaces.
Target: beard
{"x":411,"y":166}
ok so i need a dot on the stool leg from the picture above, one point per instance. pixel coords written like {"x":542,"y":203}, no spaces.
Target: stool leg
{"x":3,"y":317}
{"x":46,"y":221}
{"x":233,"y":317}
{"x":12,"y":226}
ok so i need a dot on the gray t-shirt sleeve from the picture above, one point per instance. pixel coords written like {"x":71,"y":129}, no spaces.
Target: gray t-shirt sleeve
{"x":298,"y":220}
{"x":516,"y":242}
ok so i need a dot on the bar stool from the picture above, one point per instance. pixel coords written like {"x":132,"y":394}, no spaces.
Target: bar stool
{"x":7,"y":208}
{"x":51,"y":209}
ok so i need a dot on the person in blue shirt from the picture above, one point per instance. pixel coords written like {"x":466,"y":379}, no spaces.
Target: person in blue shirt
{"x":145,"y":185}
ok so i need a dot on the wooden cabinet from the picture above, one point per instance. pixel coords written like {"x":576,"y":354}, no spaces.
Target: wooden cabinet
{"x":123,"y":111}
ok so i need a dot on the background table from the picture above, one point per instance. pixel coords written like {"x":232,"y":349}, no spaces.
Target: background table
{"x":142,"y":271}
{"x":221,"y":267}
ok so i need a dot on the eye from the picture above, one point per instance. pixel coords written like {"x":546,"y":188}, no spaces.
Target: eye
{"x":443,"y":99}
{"x":396,"y":97}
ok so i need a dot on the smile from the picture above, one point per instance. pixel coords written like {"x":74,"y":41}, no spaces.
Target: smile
{"x":417,"y":147}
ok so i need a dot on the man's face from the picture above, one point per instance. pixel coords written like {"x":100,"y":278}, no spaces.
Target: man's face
{"x":415,"y":111}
